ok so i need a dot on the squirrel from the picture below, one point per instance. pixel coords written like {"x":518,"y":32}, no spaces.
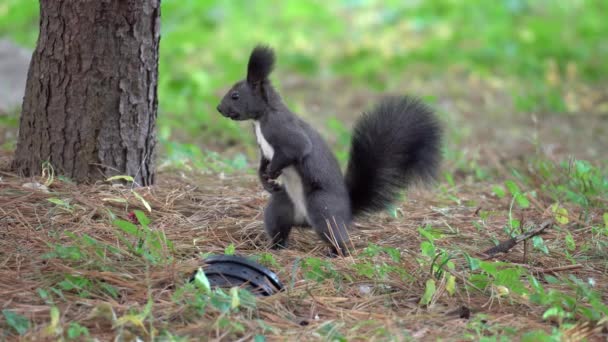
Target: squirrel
{"x":393,"y":145}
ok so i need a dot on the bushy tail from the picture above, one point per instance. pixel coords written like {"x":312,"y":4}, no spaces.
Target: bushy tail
{"x":398,"y":142}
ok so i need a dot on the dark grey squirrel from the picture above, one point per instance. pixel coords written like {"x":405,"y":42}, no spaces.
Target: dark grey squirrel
{"x":393,"y":145}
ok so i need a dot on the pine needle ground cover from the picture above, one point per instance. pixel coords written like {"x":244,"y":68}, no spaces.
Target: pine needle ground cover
{"x":106,"y":260}
{"x":510,"y":244}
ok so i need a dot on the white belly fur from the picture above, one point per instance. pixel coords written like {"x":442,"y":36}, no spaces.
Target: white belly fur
{"x":267,"y":150}
{"x":293,"y":183}
{"x":290,"y":177}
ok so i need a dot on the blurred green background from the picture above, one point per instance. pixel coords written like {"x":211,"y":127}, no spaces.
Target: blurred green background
{"x":502,"y":58}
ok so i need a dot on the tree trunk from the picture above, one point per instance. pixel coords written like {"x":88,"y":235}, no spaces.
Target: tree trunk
{"x":90,"y":100}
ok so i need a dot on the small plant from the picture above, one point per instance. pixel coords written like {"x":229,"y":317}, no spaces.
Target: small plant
{"x":85,"y":287}
{"x":143,"y":241}
{"x":84,"y":248}
{"x":230,"y":249}
{"x":267,"y":259}
{"x":564,"y":307}
{"x":438,"y":262}
{"x":62,"y":204}
{"x":76,"y":331}
{"x":574,"y":181}
{"x":199,"y":298}
{"x":518,"y":196}
{"x":15,"y":321}
{"x":542,"y":336}
{"x":320,"y":270}
{"x":501,"y":277}
{"x":373,"y":263}
{"x":136,"y":319}
{"x":330,"y":331}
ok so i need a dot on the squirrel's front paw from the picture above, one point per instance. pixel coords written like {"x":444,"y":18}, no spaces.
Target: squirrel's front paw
{"x":271,"y":186}
{"x":268,"y":184}
{"x":272,"y":174}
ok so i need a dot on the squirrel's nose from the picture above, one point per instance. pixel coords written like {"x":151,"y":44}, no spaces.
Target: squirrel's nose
{"x":219,"y":109}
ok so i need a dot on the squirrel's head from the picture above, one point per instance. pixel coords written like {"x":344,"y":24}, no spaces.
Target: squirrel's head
{"x":251,"y":97}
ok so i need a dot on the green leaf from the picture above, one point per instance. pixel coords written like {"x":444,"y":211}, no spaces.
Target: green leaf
{"x":551,"y":279}
{"x":131,"y":319}
{"x":429,"y":291}
{"x":499,"y":191}
{"x":512,"y":187}
{"x":259,"y":338}
{"x":221,"y":301}
{"x":519,"y":197}
{"x":570,"y":244}
{"x":561,"y":214}
{"x":64,"y":252}
{"x":393,"y":253}
{"x":365,"y":269}
{"x":427,"y":248}
{"x":147,"y":309}
{"x":44,"y":294}
{"x":55,"y":316}
{"x":605,"y":220}
{"x":371,"y":250}
{"x":393,"y":211}
{"x":331,"y":333}
{"x":76,"y":330}
{"x":201,"y":281}
{"x":480,"y":281}
{"x":489,"y":267}
{"x":235,"y":301}
{"x":120,"y":177}
{"x":230,"y":249}
{"x":430,"y":233}
{"x":540,"y":335}
{"x":317,"y":269}
{"x":19,"y":323}
{"x":522,"y":200}
{"x":450,"y":285}
{"x":582,"y":167}
{"x":142,"y":218}
{"x":58,"y":202}
{"x":539,"y":244}
{"x":554,"y":311}
{"x":450,"y":179}
{"x":127,"y":227}
{"x":474,"y":263}
{"x":426,"y":234}
{"x":510,"y":278}
{"x":536,"y":284}
{"x":143,"y":201}
{"x":54,"y":328}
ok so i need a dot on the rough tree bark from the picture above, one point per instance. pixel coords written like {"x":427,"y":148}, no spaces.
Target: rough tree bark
{"x":90,"y":103}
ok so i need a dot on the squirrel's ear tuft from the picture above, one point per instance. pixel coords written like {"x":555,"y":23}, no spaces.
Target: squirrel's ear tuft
{"x":260,"y":64}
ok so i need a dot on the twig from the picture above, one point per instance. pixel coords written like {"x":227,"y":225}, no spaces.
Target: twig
{"x":8,"y":174}
{"x":505,"y":246}
{"x":551,"y":269}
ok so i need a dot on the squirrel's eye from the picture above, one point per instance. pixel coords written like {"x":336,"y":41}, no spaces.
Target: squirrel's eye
{"x":234,"y":95}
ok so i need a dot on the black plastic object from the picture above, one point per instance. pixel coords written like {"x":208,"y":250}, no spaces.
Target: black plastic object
{"x":234,"y":270}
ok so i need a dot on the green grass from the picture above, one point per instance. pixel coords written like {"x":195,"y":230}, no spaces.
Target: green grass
{"x":205,"y":45}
